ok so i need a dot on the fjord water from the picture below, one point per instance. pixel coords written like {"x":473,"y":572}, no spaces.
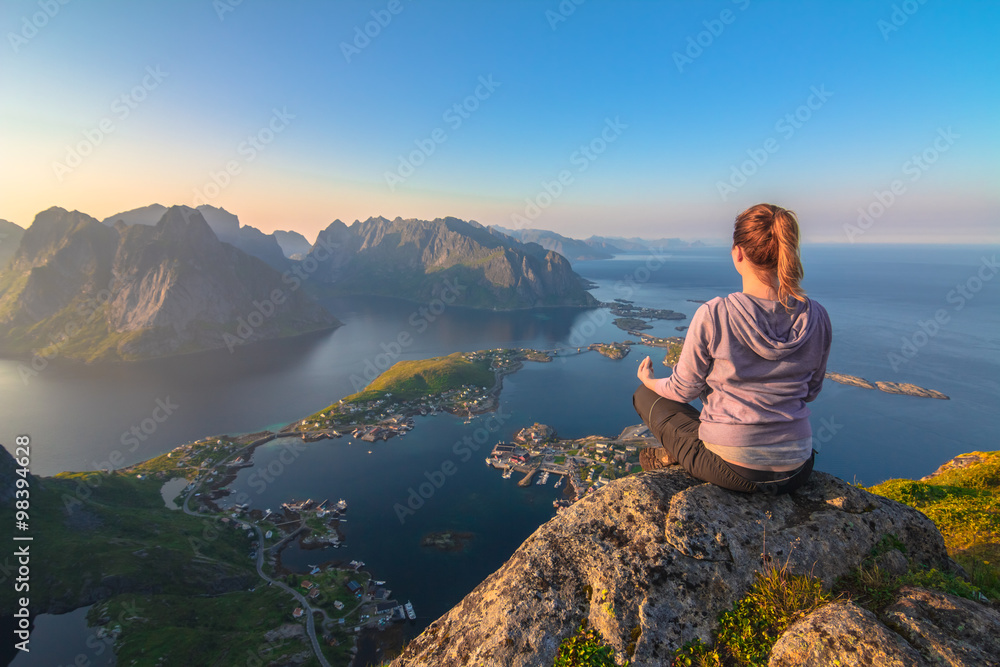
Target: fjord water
{"x":877,"y":296}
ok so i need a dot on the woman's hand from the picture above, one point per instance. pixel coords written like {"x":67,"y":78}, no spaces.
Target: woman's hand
{"x":645,"y":372}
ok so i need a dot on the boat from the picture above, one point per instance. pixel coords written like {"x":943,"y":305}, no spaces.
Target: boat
{"x":489,"y":461}
{"x":410,"y":614}
{"x":507,"y":472}
{"x":544,"y":477}
{"x":558,"y":482}
{"x":341,"y":505}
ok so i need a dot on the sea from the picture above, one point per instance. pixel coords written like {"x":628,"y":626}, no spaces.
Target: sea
{"x":923,"y":314}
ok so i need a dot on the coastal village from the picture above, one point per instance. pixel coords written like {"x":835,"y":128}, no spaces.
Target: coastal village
{"x":536,"y":454}
{"x":344,"y":600}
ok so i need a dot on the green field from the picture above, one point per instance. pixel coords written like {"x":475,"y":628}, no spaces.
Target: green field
{"x":964,"y":503}
{"x":410,"y":380}
{"x":222,"y":630}
{"x":98,"y":533}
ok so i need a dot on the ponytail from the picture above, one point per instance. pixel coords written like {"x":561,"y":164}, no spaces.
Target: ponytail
{"x":769,"y":238}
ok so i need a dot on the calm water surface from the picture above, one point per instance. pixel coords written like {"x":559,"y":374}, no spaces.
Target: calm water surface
{"x":876,"y":296}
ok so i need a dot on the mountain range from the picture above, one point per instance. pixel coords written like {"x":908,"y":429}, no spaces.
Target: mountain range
{"x":81,"y":289}
{"x":419,"y":259}
{"x":595,"y":247}
{"x":10,"y":238}
{"x":157,"y":281}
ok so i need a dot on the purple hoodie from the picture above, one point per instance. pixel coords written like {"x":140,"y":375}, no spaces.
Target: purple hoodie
{"x":754,"y":366}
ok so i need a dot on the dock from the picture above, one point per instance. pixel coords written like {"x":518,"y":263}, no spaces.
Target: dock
{"x":527,"y":478}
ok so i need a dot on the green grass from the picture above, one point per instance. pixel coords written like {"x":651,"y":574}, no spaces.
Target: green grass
{"x":92,"y":526}
{"x":586,"y":648}
{"x":183,"y":630}
{"x":747,"y":632}
{"x":410,"y":380}
{"x":673,"y":354}
{"x":965,"y":505}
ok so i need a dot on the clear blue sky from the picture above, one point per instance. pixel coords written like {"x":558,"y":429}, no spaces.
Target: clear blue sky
{"x":892,"y":86}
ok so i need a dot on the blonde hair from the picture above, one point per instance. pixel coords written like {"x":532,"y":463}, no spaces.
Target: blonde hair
{"x":769,"y":238}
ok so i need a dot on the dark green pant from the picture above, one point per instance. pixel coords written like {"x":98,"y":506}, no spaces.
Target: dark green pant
{"x":675,"y":425}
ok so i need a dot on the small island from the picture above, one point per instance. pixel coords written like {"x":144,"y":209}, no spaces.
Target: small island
{"x":616,"y":351}
{"x":626,"y":308}
{"x":905,"y":389}
{"x":447,"y":540}
{"x":631,"y":324}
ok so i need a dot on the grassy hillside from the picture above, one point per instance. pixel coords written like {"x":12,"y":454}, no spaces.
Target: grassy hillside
{"x":408,"y":380}
{"x":231,"y":629}
{"x":99,"y":534}
{"x":964,"y":502}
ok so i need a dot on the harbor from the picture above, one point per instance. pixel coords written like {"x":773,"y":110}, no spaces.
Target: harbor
{"x":588,"y":463}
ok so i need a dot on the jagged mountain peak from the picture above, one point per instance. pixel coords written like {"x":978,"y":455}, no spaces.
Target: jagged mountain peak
{"x":144,"y":215}
{"x":56,"y":228}
{"x":410,"y":258}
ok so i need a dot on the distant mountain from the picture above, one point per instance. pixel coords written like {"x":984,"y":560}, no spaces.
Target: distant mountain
{"x":81,"y":289}
{"x":224,"y":224}
{"x":639,"y":245}
{"x":146,"y":215}
{"x":571,"y":249}
{"x":463,"y":261}
{"x":10,"y":238}
{"x":293,"y":244}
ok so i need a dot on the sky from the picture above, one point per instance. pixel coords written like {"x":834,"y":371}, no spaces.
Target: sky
{"x":876,"y":121}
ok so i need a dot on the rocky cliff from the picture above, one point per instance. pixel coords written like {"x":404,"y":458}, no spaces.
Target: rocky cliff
{"x":292,"y":244}
{"x":650,"y":561}
{"x":414,"y":259}
{"x":79,"y":289}
{"x":10,"y":238}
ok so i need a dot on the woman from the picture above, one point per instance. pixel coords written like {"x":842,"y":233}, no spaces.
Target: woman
{"x":755,"y":358}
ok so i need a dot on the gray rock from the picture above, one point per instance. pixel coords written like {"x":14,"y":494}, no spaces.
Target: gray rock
{"x":664,"y":554}
{"x":893,"y":562}
{"x":842,"y":633}
{"x":946,"y":629}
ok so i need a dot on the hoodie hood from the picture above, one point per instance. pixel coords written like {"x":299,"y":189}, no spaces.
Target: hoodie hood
{"x":766,"y":327}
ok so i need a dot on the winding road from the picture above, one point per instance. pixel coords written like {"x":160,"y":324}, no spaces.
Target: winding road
{"x":310,"y":621}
